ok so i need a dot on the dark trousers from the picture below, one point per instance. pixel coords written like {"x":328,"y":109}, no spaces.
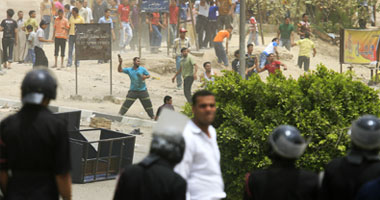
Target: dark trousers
{"x":305,"y":61}
{"x":187,"y":83}
{"x":8,"y":44}
{"x":223,"y":21}
{"x":41,"y":59}
{"x":59,"y":43}
{"x":213,"y":28}
{"x":202,"y":29}
{"x":144,"y":98}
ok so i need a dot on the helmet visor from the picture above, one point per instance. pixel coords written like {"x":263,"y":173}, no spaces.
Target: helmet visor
{"x":287,"y":149}
{"x":33,"y":98}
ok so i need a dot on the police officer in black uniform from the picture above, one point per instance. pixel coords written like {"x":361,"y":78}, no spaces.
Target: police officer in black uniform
{"x":153,"y":177}
{"x":34,"y":145}
{"x":343,"y":177}
{"x":282,"y":180}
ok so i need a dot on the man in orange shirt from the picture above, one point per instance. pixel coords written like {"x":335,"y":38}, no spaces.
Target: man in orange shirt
{"x":155,"y":33}
{"x":61,"y":30}
{"x":218,"y":45}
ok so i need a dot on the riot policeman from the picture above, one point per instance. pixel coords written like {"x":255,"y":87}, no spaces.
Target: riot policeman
{"x":153,"y":177}
{"x":282,"y":180}
{"x":34,"y":145}
{"x":343,"y":177}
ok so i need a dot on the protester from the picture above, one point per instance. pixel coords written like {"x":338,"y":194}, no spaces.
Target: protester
{"x":10,"y":37}
{"x":60,"y":33}
{"x":343,"y":177}
{"x":270,"y":49}
{"x":46,"y":9}
{"x":236,"y":62}
{"x":202,"y":8}
{"x":282,"y":180}
{"x":168,"y":101}
{"x":106,"y":19}
{"x":208,"y":74}
{"x":285,"y":33}
{"x":20,"y":50}
{"x":226,"y":9}
{"x":272,"y":66}
{"x":138,"y":74}
{"x":41,"y":59}
{"x":179,"y":43}
{"x":74,"y":19}
{"x":155,"y":34}
{"x":83,"y":12}
{"x":135,"y":23}
{"x":32,"y":37}
{"x":251,"y":61}
{"x":98,"y":8}
{"x":220,"y":52}
{"x":304,"y":26}
{"x":90,"y":18}
{"x":212,"y":22}
{"x":200,"y":165}
{"x":153,"y":177}
{"x":306,"y":45}
{"x":173,"y":21}
{"x":126,"y":33}
{"x":253,"y":31}
{"x":184,"y":11}
{"x":32,"y":20}
{"x":189,"y":73}
{"x":34,"y":145}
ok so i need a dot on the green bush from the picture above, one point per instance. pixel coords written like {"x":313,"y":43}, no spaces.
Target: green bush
{"x":321,"y":105}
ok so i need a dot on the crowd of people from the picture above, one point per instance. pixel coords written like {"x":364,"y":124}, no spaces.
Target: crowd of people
{"x":184,"y":157}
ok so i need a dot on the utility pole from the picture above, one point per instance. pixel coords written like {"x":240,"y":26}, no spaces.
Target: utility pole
{"x":242,"y":39}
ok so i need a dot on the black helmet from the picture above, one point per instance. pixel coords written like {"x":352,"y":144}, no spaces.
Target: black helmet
{"x":365,"y":132}
{"x":287,"y":142}
{"x":168,"y":142}
{"x":37,"y":85}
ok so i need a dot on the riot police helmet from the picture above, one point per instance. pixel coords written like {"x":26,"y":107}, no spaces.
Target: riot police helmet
{"x":365,"y":132}
{"x":38,"y":84}
{"x":287,"y":142}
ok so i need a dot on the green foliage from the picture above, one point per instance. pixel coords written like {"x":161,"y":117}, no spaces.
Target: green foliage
{"x":321,"y":105}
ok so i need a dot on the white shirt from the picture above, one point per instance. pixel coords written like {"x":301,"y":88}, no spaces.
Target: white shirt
{"x":32,"y":38}
{"x":202,"y":10}
{"x":200,"y":165}
{"x":270,"y":48}
{"x":89,"y":17}
{"x":40,"y":34}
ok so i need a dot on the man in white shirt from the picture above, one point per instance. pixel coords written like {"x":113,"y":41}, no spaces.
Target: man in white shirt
{"x":202,"y":8}
{"x":200,"y":166}
{"x":89,"y":19}
{"x":83,"y":12}
{"x":271,"y":48}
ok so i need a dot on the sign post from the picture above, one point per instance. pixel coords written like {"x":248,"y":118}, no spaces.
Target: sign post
{"x":93,"y":42}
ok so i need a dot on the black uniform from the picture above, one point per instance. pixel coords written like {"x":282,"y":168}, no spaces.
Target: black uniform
{"x":34,"y":145}
{"x":343,"y":177}
{"x":155,"y":181}
{"x":281,"y":181}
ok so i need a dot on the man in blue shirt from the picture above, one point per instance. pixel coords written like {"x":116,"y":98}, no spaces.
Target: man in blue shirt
{"x":137,"y":90}
{"x":212,"y":22}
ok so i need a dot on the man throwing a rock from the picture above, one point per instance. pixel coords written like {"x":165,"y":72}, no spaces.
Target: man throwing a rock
{"x":137,"y":90}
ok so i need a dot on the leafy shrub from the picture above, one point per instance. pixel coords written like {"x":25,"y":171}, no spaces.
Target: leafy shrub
{"x":321,"y":105}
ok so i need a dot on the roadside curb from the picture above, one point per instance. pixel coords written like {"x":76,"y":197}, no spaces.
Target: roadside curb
{"x":86,"y":114}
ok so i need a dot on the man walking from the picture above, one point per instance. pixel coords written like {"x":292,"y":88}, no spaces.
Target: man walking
{"x":137,"y":90}
{"x":61,"y":30}
{"x":304,"y":26}
{"x":218,"y":45}
{"x":226,"y":9}
{"x":10,"y":33}
{"x":189,"y":72}
{"x":285,"y":33}
{"x":34,"y":145}
{"x":21,"y":49}
{"x":126,"y":33}
{"x":212,"y":23}
{"x":41,"y":59}
{"x":74,"y":19}
{"x":200,"y":165}
{"x":306,"y":45}
{"x":173,"y":20}
{"x":202,"y":8}
{"x":179,"y":43}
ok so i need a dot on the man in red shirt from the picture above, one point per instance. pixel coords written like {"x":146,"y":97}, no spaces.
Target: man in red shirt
{"x":125,"y":27}
{"x":173,"y":20}
{"x":272,"y":65}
